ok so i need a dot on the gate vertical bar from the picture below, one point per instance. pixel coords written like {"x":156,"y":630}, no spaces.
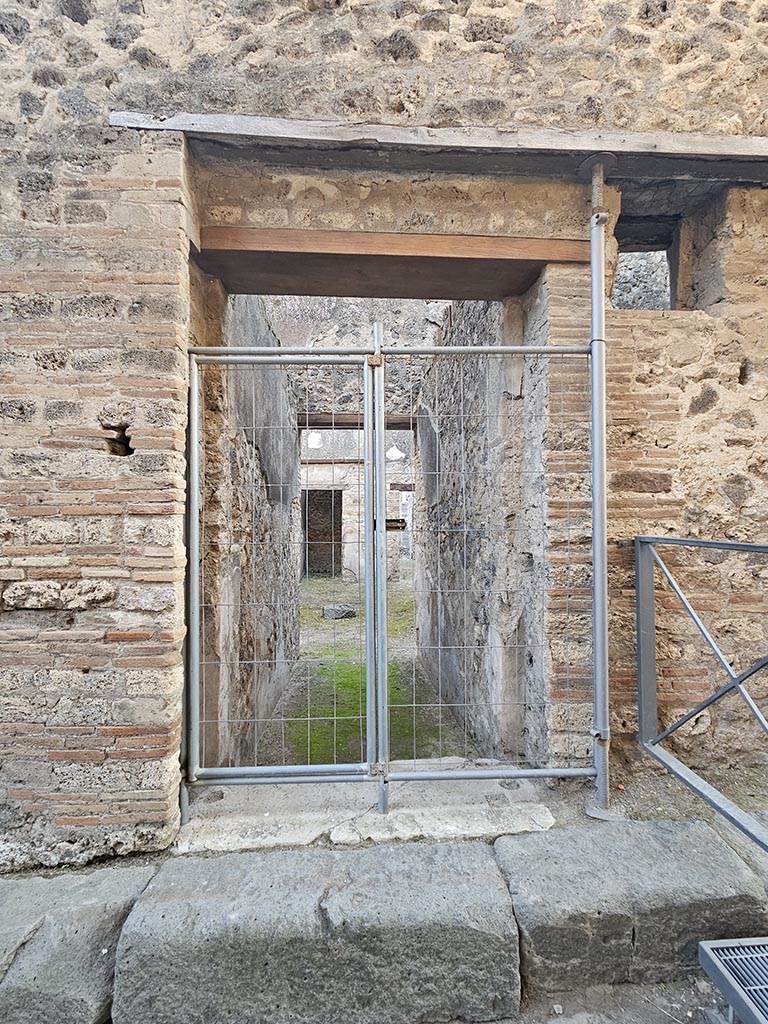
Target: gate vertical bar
{"x":193,"y":573}
{"x":648,"y":716}
{"x":369,"y":563}
{"x":601,"y":719}
{"x":380,"y":554}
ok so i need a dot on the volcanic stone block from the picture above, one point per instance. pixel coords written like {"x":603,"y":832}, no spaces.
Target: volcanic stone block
{"x":58,"y":938}
{"x":339,"y":611}
{"x":625,"y":901}
{"x":387,"y":935}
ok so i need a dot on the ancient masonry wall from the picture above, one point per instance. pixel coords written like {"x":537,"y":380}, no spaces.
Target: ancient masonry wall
{"x":93,"y":325}
{"x":250,"y":513}
{"x":688,"y":435}
{"x":642,"y":65}
{"x":94,"y":233}
{"x":460,"y":519}
{"x":641,"y":281}
{"x":502,"y":542}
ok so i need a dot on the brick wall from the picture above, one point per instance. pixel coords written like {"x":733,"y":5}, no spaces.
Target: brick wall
{"x":93,"y":375}
{"x":688,"y":429}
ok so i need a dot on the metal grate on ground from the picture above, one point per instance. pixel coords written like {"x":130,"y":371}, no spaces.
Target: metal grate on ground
{"x":739,"y":969}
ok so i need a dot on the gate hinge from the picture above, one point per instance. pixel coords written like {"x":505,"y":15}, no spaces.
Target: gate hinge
{"x":600,"y":734}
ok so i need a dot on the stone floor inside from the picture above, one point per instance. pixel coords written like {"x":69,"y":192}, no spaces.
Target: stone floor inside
{"x":346,"y":814}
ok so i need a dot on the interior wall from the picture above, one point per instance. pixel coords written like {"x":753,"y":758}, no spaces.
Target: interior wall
{"x":508,"y":602}
{"x":251,"y":505}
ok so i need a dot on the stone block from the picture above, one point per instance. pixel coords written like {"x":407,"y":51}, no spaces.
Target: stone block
{"x":58,"y":938}
{"x":625,"y":901}
{"x":386,"y":935}
{"x":339,"y":611}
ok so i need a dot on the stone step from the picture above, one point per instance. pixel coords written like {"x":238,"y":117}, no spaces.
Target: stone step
{"x":625,"y":902}
{"x":388,"y":934}
{"x":385,"y":934}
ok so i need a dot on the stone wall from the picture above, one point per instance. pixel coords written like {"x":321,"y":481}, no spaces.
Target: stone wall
{"x":502,"y":547}
{"x":92,"y":335}
{"x":641,"y":281}
{"x":687,"y":440}
{"x":462,"y":508}
{"x":640,"y":65}
{"x":307,"y":321}
{"x":250,"y":516}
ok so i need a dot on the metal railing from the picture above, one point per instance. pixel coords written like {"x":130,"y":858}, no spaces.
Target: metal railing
{"x":647,"y":562}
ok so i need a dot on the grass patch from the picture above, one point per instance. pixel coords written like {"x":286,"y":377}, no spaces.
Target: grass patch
{"x":331,"y":729}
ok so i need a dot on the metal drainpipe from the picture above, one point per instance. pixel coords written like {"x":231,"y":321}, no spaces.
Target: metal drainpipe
{"x":193,"y":591}
{"x":601,"y":715}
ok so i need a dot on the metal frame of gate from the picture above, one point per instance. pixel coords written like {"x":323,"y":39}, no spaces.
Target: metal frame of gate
{"x":650,"y":734}
{"x":372,"y":359}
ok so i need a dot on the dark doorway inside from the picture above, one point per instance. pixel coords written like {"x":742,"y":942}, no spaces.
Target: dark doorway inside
{"x":321,"y":526}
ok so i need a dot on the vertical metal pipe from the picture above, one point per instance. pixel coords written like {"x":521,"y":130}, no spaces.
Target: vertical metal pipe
{"x":368,"y":566}
{"x":183,"y":803}
{"x":648,"y":715}
{"x":193,"y":573}
{"x":380,"y":554}
{"x":601,"y":714}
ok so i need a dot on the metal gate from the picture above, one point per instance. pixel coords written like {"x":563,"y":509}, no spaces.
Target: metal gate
{"x":376,"y":487}
{"x":498,"y":591}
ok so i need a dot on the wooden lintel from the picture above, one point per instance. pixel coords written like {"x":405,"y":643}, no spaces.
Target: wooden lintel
{"x":393,"y":244}
{"x":351,"y":420}
{"x":271,"y":261}
{"x":296,"y":132}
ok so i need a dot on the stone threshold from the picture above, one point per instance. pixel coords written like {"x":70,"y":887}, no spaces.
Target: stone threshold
{"x":387,"y":934}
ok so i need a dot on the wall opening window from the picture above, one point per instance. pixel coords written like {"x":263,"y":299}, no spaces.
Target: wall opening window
{"x":643,"y":278}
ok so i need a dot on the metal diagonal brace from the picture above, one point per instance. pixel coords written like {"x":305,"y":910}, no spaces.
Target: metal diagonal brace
{"x":693,"y":614}
{"x":734,"y":684}
{"x":736,"y":681}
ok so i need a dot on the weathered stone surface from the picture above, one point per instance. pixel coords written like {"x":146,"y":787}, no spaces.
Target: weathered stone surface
{"x":641,"y":281}
{"x":409,"y":933}
{"x":625,"y":901}
{"x":339,"y":611}
{"x":58,"y":938}
{"x":251,"y":513}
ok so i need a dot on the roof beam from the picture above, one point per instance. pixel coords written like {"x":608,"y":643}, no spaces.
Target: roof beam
{"x":530,"y":151}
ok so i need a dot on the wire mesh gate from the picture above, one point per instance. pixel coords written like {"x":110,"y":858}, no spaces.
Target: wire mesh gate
{"x":390,"y":564}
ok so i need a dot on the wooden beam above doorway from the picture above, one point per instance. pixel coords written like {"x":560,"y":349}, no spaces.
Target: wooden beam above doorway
{"x":470,"y":149}
{"x":270,"y":261}
{"x":351,"y":420}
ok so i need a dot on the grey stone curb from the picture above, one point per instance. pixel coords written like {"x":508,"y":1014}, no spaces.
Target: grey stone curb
{"x":625,"y":902}
{"x":372,"y":936}
{"x":382,"y":935}
{"x":58,"y":940}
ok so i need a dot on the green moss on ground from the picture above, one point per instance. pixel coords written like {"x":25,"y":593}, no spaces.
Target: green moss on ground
{"x":331,"y":727}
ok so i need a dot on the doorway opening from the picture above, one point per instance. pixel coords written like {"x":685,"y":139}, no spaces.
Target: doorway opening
{"x":394,"y":547}
{"x":322,"y":511}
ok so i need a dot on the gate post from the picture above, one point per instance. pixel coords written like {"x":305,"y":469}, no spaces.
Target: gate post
{"x":601,"y":713}
{"x":376,"y":362}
